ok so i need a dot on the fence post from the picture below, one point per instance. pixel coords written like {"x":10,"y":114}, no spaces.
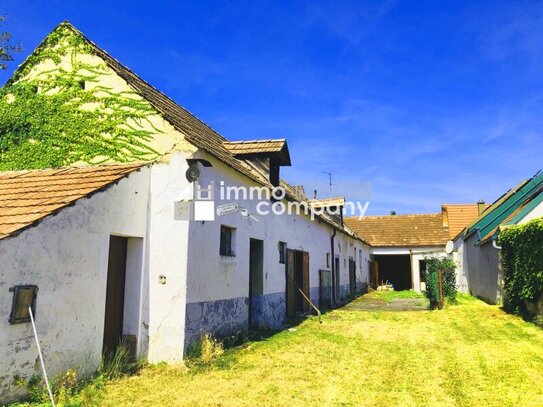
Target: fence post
{"x":440,"y":288}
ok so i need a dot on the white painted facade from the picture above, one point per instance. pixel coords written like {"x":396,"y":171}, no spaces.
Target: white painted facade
{"x":536,"y":212}
{"x":173,"y":268}
{"x":66,"y":256}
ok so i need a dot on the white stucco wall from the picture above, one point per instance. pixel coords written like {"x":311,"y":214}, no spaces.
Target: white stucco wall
{"x":66,"y":256}
{"x":167,"y":248}
{"x":483,"y":271}
{"x":212,"y":277}
{"x":460,"y":258}
{"x":537,"y":212}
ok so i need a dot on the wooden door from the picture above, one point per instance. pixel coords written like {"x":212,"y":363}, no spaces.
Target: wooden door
{"x":325,"y":284}
{"x":305,"y":279}
{"x":256,"y":278}
{"x":116,"y":275}
{"x":352,"y":277}
{"x":291,"y":283}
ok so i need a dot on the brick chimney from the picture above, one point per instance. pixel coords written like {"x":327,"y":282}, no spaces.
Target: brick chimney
{"x":481,"y":206}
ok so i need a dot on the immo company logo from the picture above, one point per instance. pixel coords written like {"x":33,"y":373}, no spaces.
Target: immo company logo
{"x":206,"y":202}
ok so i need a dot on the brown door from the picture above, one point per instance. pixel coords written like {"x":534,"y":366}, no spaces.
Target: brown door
{"x":116,"y":274}
{"x":256,"y":278}
{"x":291,"y":283}
{"x":352,"y":277}
{"x":305,"y":279}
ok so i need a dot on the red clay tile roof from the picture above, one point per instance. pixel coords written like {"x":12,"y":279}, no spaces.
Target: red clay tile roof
{"x":458,"y":216}
{"x":26,"y":197}
{"x":401,"y":230}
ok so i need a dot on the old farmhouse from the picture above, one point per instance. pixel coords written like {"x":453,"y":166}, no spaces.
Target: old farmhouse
{"x":136,"y":239}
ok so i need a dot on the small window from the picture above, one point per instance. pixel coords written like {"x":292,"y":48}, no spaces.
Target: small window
{"x":227,"y":248}
{"x":328,"y":259}
{"x":282,"y":246}
{"x":24,"y":296}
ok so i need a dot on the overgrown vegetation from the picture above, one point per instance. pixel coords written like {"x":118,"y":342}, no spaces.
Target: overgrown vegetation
{"x":63,"y":115}
{"x":205,"y":349}
{"x":71,"y":390}
{"x":522,"y":265}
{"x":447,"y":267}
{"x":372,"y":358}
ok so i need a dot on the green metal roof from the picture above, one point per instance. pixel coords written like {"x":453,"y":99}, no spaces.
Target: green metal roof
{"x":526,"y":209}
{"x":507,"y":204}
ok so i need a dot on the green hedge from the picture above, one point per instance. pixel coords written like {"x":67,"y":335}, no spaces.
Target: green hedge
{"x":522,"y":264}
{"x":448,"y":279}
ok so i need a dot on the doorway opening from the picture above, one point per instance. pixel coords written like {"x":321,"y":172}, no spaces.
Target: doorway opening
{"x":256,"y":280}
{"x":123,"y":295}
{"x":297,"y":273}
{"x":396,"y":269}
{"x":352,"y":276}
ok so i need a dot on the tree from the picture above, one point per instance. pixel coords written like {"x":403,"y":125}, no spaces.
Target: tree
{"x":393,"y":213}
{"x":6,"y":48}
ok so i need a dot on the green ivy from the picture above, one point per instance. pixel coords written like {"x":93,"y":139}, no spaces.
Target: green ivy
{"x":63,"y":116}
{"x":447,"y":267}
{"x":522,"y":264}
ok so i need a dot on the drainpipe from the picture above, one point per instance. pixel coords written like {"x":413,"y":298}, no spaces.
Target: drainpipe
{"x":495,"y":243}
{"x":333,"y":260}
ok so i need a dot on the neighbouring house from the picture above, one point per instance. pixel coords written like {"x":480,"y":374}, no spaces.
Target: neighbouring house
{"x":476,"y":248}
{"x":400,"y":243}
{"x":151,"y":236}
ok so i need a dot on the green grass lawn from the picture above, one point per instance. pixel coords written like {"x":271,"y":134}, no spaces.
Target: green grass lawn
{"x":468,"y":354}
{"x":394,"y":295}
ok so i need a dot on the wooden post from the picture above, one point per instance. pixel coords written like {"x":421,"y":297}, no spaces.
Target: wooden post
{"x":440,"y":288}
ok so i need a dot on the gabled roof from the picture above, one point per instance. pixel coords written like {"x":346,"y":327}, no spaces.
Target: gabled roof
{"x":516,"y":216}
{"x":507,"y":204}
{"x":401,"y":230}
{"x":196,"y":131}
{"x":26,"y":197}
{"x":458,"y":216}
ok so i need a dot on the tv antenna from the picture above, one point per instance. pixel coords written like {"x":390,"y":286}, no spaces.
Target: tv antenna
{"x":329,"y":181}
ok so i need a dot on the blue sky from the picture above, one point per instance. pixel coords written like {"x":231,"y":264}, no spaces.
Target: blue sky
{"x":430,"y":101}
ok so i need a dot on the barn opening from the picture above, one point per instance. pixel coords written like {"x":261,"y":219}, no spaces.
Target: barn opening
{"x":297,"y":273}
{"x":396,"y":269}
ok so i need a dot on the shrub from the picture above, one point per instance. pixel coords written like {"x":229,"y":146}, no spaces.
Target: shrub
{"x":205,"y":349}
{"x":447,"y":267}
{"x":522,"y":265}
{"x":69,"y":390}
